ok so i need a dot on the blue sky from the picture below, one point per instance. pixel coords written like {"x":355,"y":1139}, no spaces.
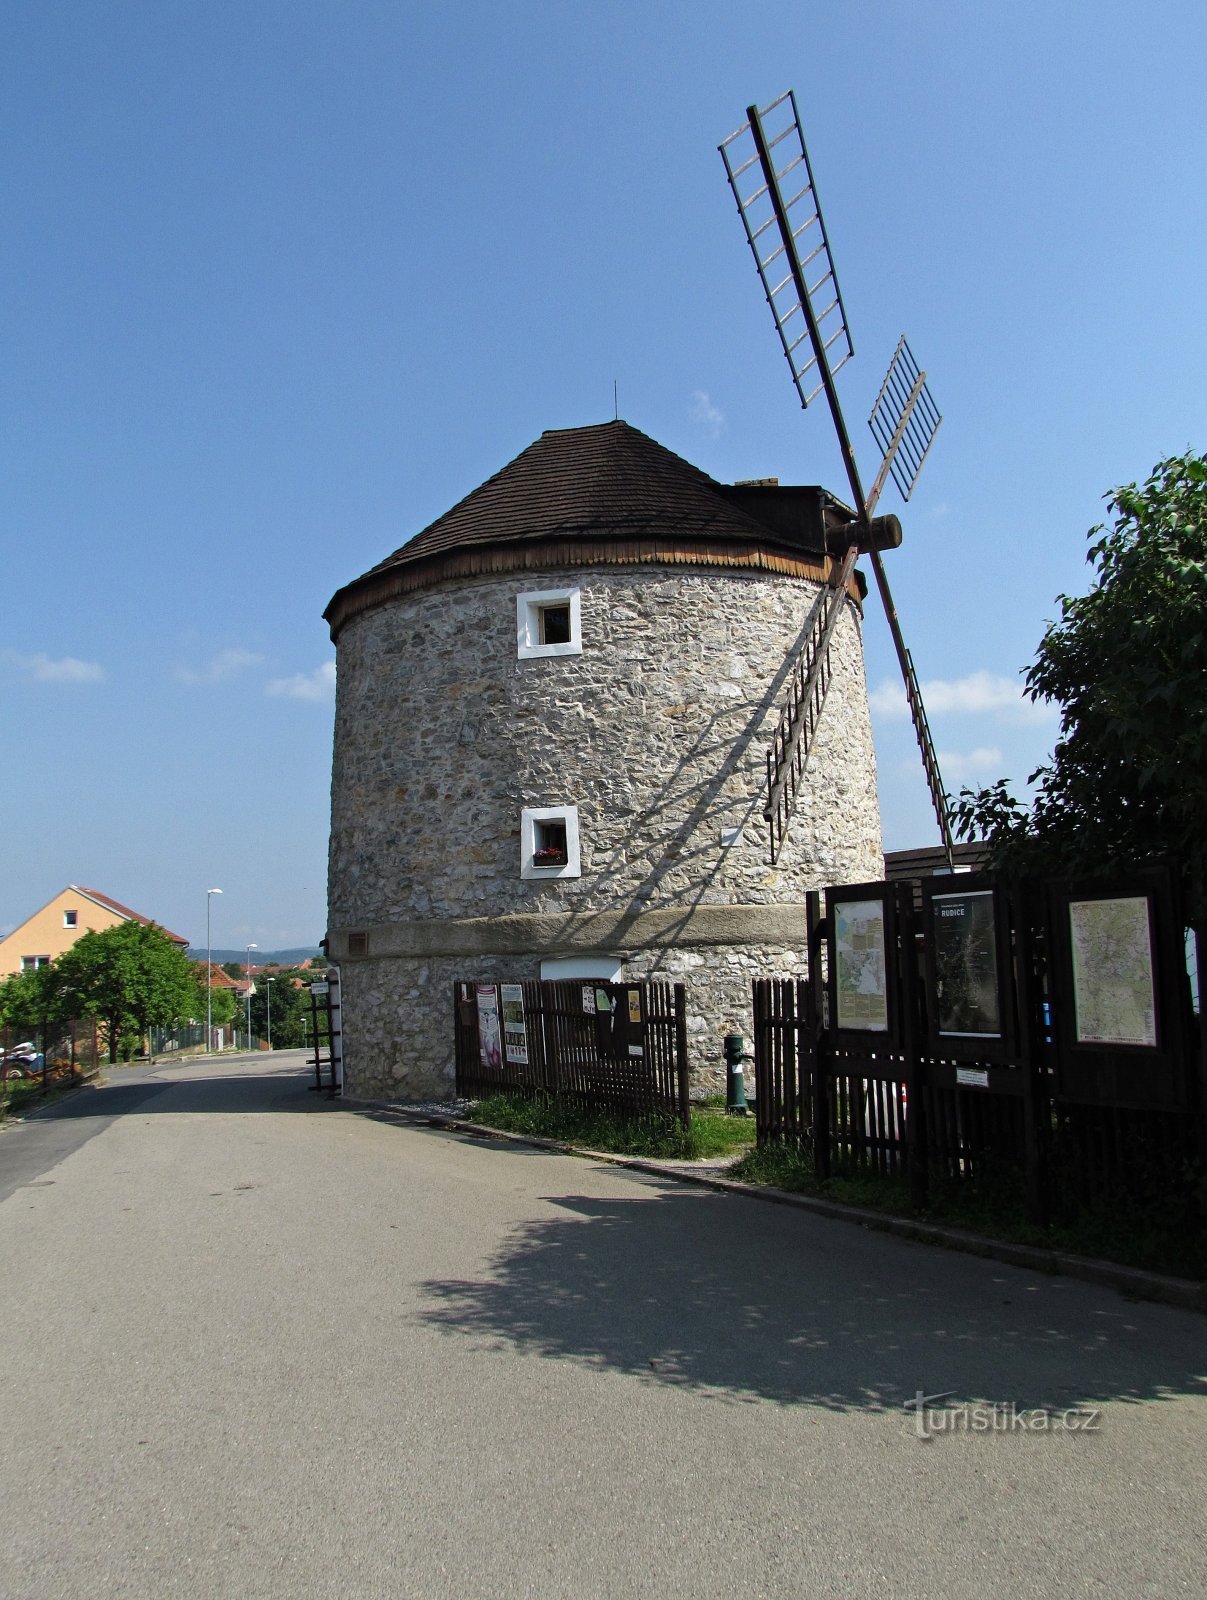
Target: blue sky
{"x":283,"y":280}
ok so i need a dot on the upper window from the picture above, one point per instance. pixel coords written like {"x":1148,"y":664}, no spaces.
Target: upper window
{"x":549,"y":842}
{"x":32,"y":963}
{"x":71,"y":919}
{"x":549,"y":623}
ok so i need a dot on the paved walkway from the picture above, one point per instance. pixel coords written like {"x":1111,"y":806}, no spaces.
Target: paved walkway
{"x":260,"y":1345}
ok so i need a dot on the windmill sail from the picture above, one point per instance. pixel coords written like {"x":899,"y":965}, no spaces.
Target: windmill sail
{"x":787,"y":236}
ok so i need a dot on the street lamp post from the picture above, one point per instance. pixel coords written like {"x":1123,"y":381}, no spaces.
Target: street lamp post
{"x":247,"y":974}
{"x":268,"y":983}
{"x":209,"y":973}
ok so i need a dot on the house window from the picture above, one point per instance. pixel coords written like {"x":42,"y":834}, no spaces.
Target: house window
{"x":549,"y":623}
{"x":70,"y":919}
{"x":555,"y":624}
{"x":549,"y":842}
{"x":32,"y":963}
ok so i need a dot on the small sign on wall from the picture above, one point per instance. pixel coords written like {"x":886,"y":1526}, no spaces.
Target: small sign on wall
{"x":972,"y":1077}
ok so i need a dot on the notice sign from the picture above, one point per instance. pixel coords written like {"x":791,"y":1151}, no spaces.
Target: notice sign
{"x":1113,"y":972}
{"x":636,"y":1032}
{"x":490,"y":1038}
{"x":515,"y":1029}
{"x":965,"y":946}
{"x":859,"y":951}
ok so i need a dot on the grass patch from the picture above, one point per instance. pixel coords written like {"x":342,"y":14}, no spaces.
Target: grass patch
{"x":712,"y":1132}
{"x":19,"y":1095}
{"x":1166,"y":1235}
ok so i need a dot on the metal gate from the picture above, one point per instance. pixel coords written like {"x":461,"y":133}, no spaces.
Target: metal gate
{"x":326,"y":1029}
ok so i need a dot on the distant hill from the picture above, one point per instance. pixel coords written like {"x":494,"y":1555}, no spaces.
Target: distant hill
{"x":262,"y":958}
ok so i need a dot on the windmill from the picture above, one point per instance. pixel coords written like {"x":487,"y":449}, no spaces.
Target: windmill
{"x":763,"y":159}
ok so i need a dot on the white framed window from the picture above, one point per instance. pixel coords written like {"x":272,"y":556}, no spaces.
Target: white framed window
{"x":549,"y":842}
{"x":71,"y":919}
{"x":549,"y":623}
{"x":32,"y":963}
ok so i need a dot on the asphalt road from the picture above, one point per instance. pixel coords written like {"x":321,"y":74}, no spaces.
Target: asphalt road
{"x":259,"y":1345}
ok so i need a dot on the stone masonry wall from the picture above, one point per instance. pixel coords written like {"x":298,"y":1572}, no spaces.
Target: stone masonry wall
{"x":657,"y":732}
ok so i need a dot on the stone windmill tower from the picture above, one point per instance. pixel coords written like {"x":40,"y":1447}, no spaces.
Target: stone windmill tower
{"x":553,"y":714}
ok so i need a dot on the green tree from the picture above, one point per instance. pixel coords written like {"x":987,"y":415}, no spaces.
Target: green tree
{"x":31,"y":1001}
{"x":130,"y":978}
{"x":290,"y":1004}
{"x":1127,"y":665}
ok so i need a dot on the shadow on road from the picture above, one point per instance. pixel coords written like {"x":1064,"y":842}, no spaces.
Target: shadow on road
{"x":250,"y":1092}
{"x":747,"y":1301}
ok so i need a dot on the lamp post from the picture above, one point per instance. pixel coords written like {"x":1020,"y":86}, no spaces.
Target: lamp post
{"x":209,"y":973}
{"x":247,"y":973}
{"x":268,"y":983}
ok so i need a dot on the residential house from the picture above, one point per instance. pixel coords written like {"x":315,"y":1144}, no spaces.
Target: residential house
{"x":56,"y":927}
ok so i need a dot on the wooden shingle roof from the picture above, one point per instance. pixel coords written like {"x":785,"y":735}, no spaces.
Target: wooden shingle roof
{"x":604,"y":493}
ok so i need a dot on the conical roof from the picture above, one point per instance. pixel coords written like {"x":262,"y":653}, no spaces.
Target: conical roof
{"x":576,"y":493}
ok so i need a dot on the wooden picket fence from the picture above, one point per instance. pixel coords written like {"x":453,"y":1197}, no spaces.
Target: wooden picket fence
{"x":621,"y":1046}
{"x":993,"y":1064}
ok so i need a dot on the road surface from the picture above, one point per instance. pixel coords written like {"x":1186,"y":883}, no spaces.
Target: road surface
{"x":256,"y":1344}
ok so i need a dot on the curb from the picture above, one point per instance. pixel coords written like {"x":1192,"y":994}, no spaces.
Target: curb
{"x":50,"y":1101}
{"x":1132,"y":1282}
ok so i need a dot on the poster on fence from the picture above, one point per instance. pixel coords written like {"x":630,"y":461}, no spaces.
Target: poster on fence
{"x":515,"y":1029}
{"x":635,"y":1032}
{"x":1113,"y":990}
{"x":490,"y":1040}
{"x":861,"y":985}
{"x":964,"y":932}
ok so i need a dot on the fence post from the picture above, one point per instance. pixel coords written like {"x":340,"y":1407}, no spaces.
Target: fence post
{"x":762,"y":1060}
{"x":1199,"y":1036}
{"x":1026,"y":916}
{"x":916,"y":1153}
{"x":685,"y":1113}
{"x":815,"y":1034}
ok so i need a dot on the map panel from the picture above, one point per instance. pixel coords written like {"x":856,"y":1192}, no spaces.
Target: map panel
{"x":1113,"y":991}
{"x":859,"y":950}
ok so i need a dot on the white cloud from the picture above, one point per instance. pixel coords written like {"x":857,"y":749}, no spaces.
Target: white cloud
{"x":220,"y":668}
{"x":970,"y":766}
{"x":42,"y":668}
{"x":318,"y":685}
{"x":706,"y":413}
{"x":980,"y":693}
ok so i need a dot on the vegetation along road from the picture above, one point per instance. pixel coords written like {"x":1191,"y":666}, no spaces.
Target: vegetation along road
{"x":260,"y":1345}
